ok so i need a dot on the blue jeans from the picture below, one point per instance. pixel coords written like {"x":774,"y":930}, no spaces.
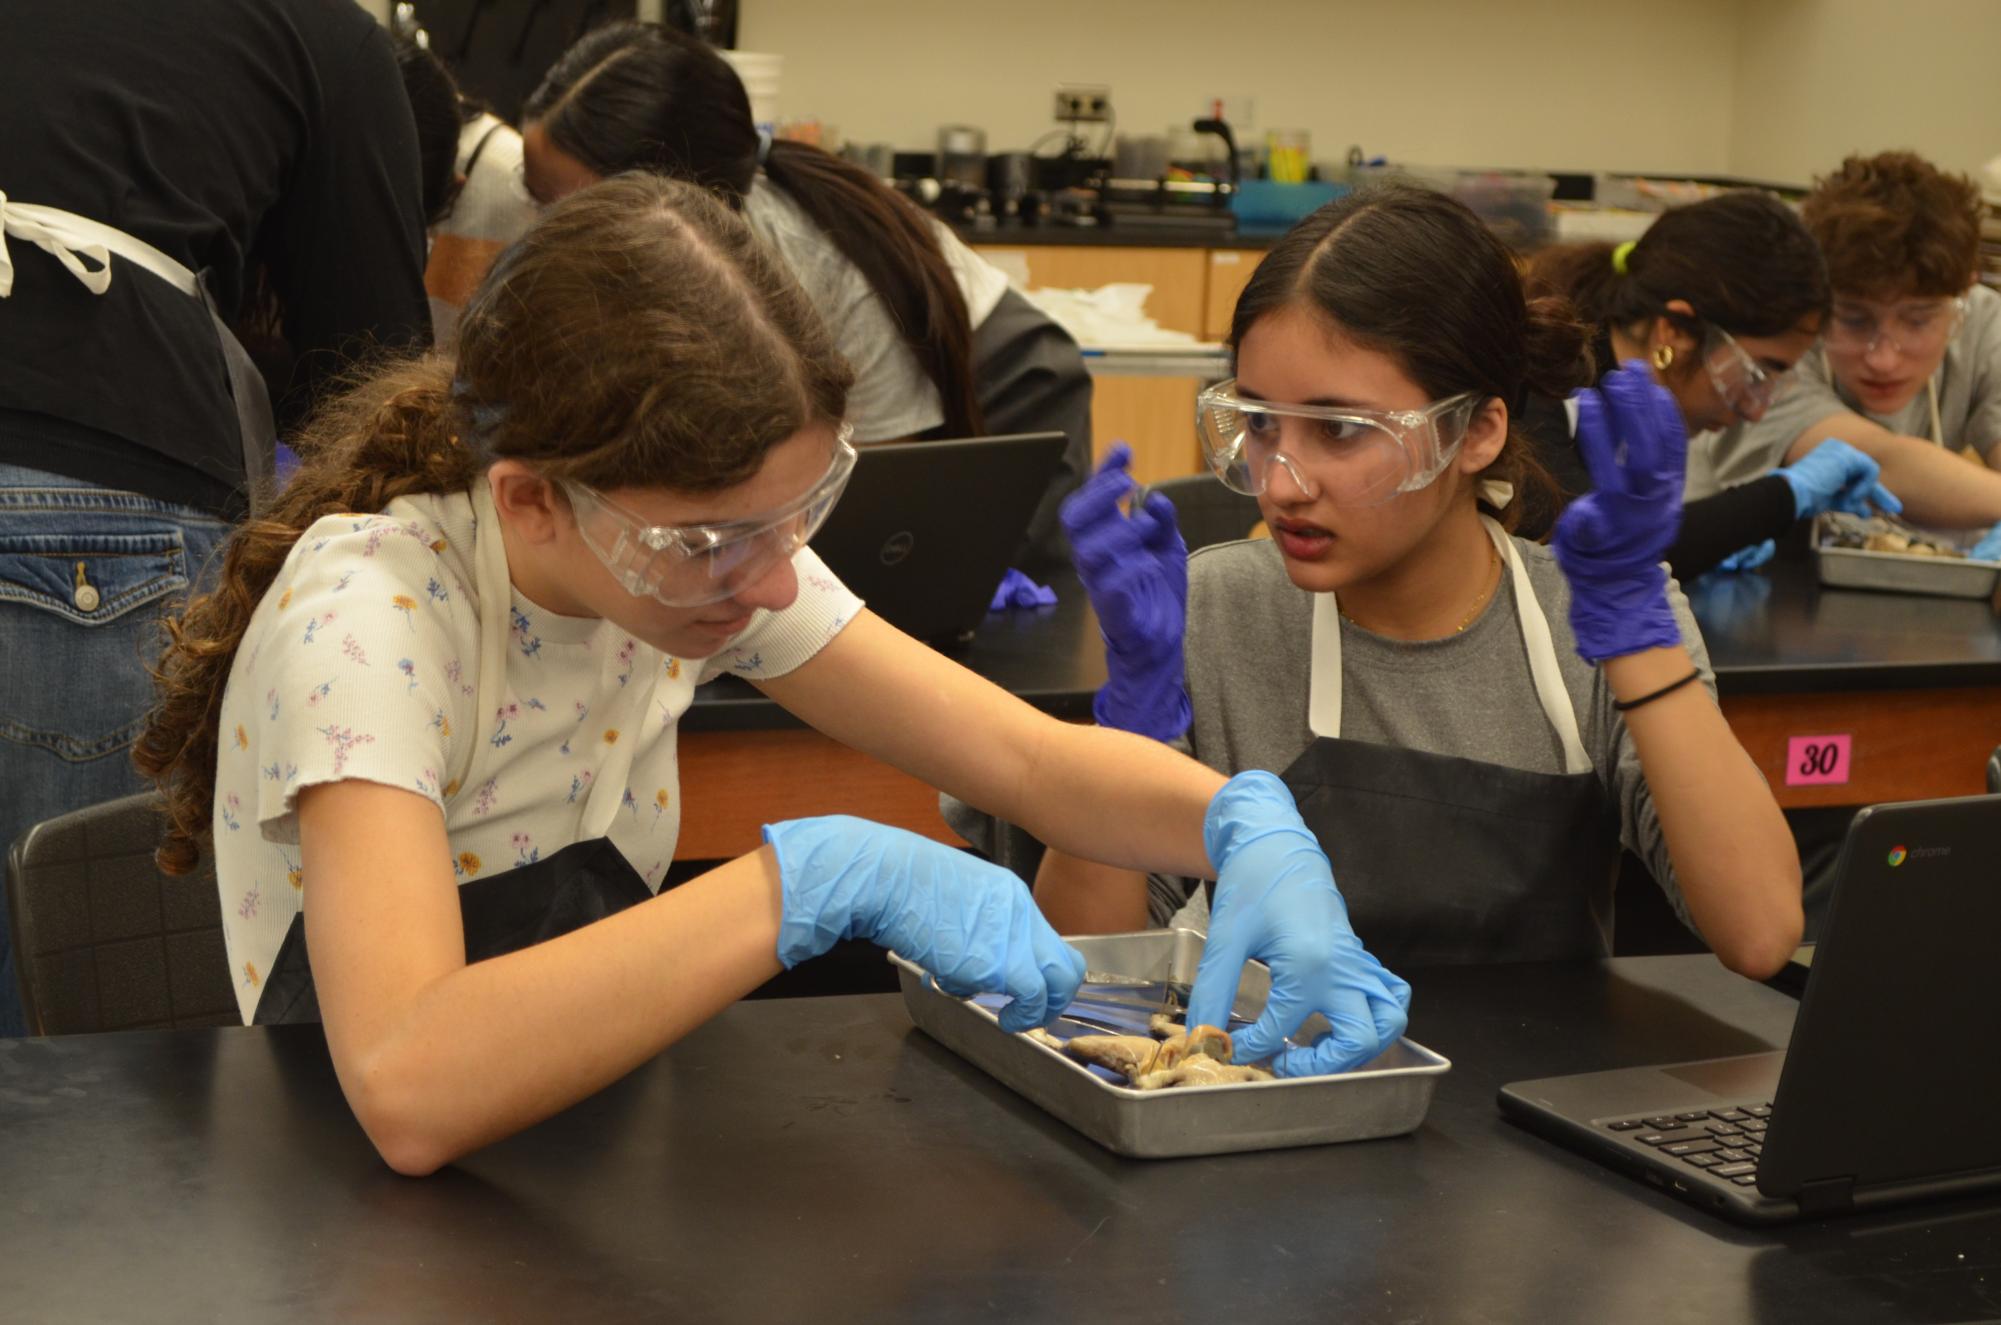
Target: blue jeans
{"x":86,"y":576}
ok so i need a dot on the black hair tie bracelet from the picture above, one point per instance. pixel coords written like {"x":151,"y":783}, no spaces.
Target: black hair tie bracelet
{"x":1628,"y":705}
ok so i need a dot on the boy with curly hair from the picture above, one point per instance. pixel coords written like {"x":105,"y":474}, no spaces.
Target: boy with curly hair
{"x":1909,"y":365}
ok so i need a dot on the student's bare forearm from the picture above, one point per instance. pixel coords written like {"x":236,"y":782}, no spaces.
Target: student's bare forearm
{"x":1080,"y":896}
{"x":485,"y":1050}
{"x":1103,"y":794}
{"x":1936,"y":487}
{"x":1119,"y":799}
{"x":1733,"y":855}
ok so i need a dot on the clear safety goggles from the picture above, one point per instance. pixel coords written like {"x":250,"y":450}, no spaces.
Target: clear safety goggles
{"x":1918,"y":329}
{"x":690,"y":565}
{"x":1353,"y":457}
{"x":1741,"y":382}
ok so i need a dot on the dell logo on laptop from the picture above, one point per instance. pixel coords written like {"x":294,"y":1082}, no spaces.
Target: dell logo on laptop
{"x":897,"y":548}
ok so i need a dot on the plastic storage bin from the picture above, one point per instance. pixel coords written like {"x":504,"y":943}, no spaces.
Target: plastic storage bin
{"x":1263,"y":204}
{"x":1515,"y":207}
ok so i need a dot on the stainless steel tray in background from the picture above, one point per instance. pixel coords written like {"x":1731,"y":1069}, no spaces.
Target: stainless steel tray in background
{"x":1386,"y":1097}
{"x":1899,"y":572}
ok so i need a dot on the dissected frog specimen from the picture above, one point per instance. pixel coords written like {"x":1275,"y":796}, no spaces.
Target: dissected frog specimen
{"x":1909,"y":546}
{"x":1872,"y":534}
{"x":1175,"y":1056}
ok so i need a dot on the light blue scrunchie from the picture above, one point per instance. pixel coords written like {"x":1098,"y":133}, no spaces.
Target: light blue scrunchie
{"x":763,"y":145}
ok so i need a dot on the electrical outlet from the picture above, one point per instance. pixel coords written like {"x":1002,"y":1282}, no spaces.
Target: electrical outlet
{"x":1084,"y":104}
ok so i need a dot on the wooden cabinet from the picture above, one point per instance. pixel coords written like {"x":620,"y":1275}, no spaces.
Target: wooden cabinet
{"x":1229,"y":272}
{"x":1178,"y":275}
{"x":1153,"y":415}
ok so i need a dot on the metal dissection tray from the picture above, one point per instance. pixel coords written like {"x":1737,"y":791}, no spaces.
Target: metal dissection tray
{"x":1385,"y":1097}
{"x":1900,"y":572}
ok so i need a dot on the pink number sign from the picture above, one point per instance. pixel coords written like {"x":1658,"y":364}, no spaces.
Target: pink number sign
{"x":1818,"y":761}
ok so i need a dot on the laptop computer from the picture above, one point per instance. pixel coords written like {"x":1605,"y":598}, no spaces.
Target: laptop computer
{"x":925,"y":530}
{"x":1792,"y":977}
{"x":1887,"y":1092}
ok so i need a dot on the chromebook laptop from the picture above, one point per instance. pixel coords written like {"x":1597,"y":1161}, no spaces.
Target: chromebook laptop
{"x":1889,"y":1089}
{"x":926,"y":530}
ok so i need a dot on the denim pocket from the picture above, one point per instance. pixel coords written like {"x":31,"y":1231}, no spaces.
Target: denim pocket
{"x":79,"y":632}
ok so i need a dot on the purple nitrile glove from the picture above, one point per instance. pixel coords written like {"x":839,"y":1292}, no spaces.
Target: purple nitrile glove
{"x":1135,"y":571}
{"x":1276,"y":902}
{"x":1749,"y":558}
{"x":1834,"y":476}
{"x":1611,"y":541}
{"x":1017,"y":590}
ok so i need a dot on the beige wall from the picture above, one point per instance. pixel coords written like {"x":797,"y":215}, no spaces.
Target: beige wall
{"x":1541,"y":83}
{"x":1819,"y":79}
{"x":1771,"y":89}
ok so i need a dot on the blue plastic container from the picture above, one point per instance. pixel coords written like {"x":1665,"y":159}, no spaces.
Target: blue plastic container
{"x":1263,"y":204}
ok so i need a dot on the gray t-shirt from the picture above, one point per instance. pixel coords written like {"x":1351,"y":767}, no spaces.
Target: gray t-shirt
{"x":1969,"y":407}
{"x":1248,"y":650}
{"x":892,"y":398}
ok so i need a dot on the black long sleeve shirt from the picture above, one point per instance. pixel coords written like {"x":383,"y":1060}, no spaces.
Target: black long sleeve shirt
{"x":1711,"y":528}
{"x":228,"y":134}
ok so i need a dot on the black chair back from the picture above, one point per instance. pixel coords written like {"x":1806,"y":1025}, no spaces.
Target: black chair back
{"x":103,"y":940}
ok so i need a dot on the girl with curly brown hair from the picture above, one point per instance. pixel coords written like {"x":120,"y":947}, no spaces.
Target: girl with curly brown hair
{"x":428,"y":719}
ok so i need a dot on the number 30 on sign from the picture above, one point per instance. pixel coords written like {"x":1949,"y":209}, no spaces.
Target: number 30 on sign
{"x":1818,"y":761}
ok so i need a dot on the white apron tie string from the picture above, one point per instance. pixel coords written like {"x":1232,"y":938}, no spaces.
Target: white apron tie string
{"x":71,"y":240}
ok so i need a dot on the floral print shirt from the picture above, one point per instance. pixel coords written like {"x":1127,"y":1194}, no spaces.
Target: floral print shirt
{"x":361,"y":662}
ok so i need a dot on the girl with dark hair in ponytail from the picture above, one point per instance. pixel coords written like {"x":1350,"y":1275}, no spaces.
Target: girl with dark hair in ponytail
{"x":939,"y":344}
{"x":1718,"y":301}
{"x":1473,"y":724}
{"x":427,"y":720}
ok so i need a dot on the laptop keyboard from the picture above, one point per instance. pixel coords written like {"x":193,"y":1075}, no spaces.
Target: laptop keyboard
{"x":1724,"y":1143}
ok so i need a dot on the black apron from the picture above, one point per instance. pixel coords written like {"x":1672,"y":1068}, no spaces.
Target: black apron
{"x":77,"y":241}
{"x":584,"y":882}
{"x":1445,"y":860}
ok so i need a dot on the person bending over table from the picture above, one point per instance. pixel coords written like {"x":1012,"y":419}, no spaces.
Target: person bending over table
{"x":428,"y":719}
{"x":159,"y":164}
{"x":1721,"y":299}
{"x":941,"y":347}
{"x":1909,"y":364}
{"x":1473,"y":724}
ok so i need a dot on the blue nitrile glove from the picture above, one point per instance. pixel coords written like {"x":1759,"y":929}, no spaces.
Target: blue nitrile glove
{"x":1135,"y":571}
{"x":971,"y":924}
{"x":1610,"y":541}
{"x":1749,"y":558}
{"x":1276,"y":902}
{"x":1017,"y":590}
{"x":1989,"y":546}
{"x":1834,"y":476}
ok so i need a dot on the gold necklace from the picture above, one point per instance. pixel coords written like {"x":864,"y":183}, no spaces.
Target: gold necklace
{"x":1480,"y":602}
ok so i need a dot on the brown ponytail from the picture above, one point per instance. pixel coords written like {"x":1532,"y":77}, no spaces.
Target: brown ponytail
{"x":388,"y":437}
{"x":637,"y":336}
